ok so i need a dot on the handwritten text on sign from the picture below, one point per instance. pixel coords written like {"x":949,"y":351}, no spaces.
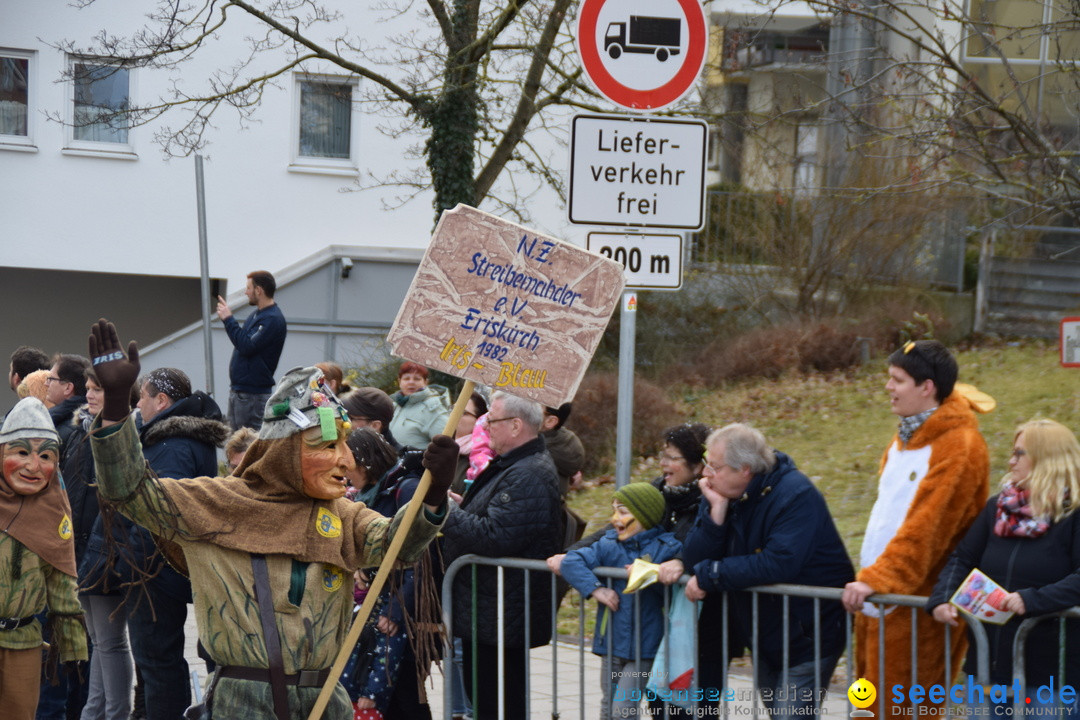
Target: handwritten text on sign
{"x":505,"y":306}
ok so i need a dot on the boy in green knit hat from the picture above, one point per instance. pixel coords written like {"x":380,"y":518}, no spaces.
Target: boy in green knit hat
{"x":638,"y":509}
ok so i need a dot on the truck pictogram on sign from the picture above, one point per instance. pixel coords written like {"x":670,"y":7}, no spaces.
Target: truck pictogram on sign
{"x":659,"y":36}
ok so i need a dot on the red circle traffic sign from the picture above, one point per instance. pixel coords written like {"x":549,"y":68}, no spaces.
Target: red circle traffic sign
{"x":650,"y":98}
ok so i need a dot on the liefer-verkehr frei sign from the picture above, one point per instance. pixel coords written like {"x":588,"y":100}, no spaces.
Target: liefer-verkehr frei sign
{"x":505,"y":306}
{"x":637,"y":172}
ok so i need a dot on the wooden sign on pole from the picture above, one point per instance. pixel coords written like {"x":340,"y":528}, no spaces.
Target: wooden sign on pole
{"x":499,"y":304}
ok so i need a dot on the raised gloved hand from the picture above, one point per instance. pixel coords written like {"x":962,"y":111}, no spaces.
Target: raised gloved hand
{"x":441,"y":459}
{"x":116,"y":372}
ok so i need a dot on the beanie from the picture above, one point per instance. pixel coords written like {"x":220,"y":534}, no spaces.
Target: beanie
{"x":29,"y":420}
{"x":643,"y":501}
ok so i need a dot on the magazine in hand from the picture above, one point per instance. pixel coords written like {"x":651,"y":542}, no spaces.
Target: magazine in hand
{"x":981,"y":597}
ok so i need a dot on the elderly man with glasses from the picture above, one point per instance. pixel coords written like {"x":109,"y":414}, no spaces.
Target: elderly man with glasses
{"x":512,"y":509}
{"x":763,"y":522}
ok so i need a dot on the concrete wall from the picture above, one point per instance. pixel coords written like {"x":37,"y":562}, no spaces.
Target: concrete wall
{"x":53,"y":309}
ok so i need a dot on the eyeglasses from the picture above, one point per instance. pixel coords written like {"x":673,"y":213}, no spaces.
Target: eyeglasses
{"x":715,"y":468}
{"x":50,"y":380}
{"x":492,"y":421}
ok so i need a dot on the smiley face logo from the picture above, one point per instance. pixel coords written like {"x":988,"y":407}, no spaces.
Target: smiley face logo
{"x":862,"y":693}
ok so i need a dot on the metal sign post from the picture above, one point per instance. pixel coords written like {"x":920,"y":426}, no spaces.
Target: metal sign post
{"x":624,"y":414}
{"x":204,"y":275}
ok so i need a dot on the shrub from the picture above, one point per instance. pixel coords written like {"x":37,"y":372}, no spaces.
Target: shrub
{"x":595,"y":410}
{"x":770,"y":351}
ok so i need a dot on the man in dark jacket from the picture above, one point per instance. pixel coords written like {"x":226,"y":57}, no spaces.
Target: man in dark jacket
{"x":512,"y":509}
{"x":65,"y":388}
{"x":257,"y":348}
{"x":763,"y":522}
{"x":180,"y":433}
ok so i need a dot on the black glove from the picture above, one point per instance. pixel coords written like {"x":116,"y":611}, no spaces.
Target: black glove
{"x":441,"y":459}
{"x":116,"y":372}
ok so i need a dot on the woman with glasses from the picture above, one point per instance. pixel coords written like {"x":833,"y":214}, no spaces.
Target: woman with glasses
{"x":1027,"y":540}
{"x":682,"y":460}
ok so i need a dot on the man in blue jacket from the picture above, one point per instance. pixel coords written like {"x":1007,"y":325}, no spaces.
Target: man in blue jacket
{"x":180,"y":434}
{"x":257,"y":348}
{"x":761,"y":522}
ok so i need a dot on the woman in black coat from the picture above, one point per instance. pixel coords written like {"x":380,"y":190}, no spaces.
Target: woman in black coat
{"x":1027,"y":540}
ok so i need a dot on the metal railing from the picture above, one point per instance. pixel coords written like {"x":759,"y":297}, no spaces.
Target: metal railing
{"x":818,"y":594}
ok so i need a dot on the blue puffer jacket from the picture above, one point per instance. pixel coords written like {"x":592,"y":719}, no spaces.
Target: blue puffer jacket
{"x":577,"y":569}
{"x":180,"y":442}
{"x":257,"y":348}
{"x":780,"y":531}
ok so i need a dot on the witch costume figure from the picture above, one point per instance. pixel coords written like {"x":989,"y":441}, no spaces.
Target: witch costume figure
{"x":271,"y":549}
{"x":37,"y":560}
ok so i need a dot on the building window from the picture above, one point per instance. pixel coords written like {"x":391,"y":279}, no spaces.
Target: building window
{"x":15,"y":84}
{"x":325,"y":119}
{"x":806,"y":158}
{"x":100,"y":98}
{"x":325,"y":129}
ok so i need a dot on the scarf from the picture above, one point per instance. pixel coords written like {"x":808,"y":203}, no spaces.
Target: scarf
{"x":41,"y":522}
{"x":262,"y":509}
{"x":1014,"y":516}
{"x":909,"y":425}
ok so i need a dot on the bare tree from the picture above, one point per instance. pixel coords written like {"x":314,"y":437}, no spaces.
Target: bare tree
{"x":977,"y":96}
{"x":470,"y":79}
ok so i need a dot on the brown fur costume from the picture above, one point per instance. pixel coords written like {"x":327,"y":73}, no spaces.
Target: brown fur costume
{"x":947,"y":498}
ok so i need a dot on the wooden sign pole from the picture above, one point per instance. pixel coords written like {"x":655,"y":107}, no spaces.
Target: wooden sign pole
{"x":387,"y":564}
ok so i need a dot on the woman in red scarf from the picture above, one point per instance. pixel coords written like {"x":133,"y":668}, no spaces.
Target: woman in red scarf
{"x":1027,"y":540}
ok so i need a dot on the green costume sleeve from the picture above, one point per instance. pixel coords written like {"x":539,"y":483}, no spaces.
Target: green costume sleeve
{"x":124,"y":478}
{"x":66,"y":615}
{"x":375,"y":541}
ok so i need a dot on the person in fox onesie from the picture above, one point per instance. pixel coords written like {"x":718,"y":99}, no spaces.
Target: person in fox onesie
{"x":934,"y":480}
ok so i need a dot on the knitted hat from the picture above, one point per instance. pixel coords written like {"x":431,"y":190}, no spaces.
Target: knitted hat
{"x":643,"y":501}
{"x":301,"y":401}
{"x":28,"y":419}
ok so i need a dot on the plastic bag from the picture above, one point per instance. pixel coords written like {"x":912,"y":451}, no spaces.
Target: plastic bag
{"x":672,"y":672}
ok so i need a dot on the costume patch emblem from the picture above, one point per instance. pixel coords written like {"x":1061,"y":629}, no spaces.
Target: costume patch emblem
{"x":65,"y":528}
{"x":332,"y":578}
{"x":913,"y":477}
{"x":328,"y":524}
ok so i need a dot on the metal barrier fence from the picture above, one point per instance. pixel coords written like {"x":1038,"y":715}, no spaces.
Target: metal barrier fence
{"x":1020,"y":646}
{"x":818,"y":594}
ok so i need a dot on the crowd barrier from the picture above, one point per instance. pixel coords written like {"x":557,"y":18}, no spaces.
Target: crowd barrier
{"x":563,"y":698}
